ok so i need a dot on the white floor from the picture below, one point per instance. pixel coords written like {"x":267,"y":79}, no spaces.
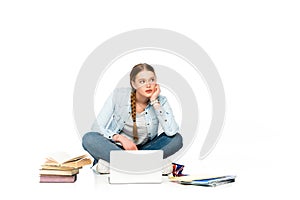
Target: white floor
{"x":90,"y":185}
{"x":263,"y":170}
{"x":266,"y":167}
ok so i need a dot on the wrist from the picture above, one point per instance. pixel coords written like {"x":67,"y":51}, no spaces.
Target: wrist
{"x":154,"y":101}
{"x":156,"y":106}
{"x":116,"y":137}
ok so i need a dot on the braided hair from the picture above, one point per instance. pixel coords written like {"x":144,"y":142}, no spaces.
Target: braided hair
{"x":135,"y":70}
{"x":133,"y":115}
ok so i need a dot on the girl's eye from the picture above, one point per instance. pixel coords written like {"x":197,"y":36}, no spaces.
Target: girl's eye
{"x":142,"y":82}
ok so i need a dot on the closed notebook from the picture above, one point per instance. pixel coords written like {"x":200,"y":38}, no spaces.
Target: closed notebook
{"x":210,"y":182}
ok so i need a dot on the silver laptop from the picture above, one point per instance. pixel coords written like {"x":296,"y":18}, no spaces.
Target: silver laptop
{"x":142,"y":166}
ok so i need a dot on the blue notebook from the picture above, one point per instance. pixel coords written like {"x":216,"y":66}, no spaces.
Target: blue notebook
{"x":210,"y":182}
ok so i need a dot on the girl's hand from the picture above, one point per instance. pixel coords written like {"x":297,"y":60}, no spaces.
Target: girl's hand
{"x":155,"y":93}
{"x":126,"y":143}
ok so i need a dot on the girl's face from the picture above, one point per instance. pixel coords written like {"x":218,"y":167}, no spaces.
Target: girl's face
{"x":145,"y":82}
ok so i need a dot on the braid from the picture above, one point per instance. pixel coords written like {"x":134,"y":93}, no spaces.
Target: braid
{"x":133,"y":115}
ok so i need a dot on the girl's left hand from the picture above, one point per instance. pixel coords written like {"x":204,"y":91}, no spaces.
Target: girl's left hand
{"x":155,"y":93}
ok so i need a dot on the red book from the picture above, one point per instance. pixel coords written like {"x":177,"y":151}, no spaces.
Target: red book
{"x":57,"y":179}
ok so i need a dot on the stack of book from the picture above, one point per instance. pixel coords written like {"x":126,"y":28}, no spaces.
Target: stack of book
{"x":61,"y":168}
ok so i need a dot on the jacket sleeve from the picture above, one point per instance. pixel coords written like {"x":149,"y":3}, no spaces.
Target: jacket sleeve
{"x":166,"y":118}
{"x":104,"y":118}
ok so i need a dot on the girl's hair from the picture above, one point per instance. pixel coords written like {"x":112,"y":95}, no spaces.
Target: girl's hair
{"x":135,"y":70}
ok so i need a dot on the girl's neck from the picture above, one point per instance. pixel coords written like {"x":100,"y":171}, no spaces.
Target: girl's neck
{"x":140,"y":99}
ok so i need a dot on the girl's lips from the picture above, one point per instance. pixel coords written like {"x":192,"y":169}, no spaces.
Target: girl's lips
{"x":148,"y":91}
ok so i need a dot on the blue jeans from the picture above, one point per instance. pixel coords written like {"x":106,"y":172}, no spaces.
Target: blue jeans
{"x":99,"y":147}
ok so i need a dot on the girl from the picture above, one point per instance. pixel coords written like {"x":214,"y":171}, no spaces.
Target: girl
{"x":136,"y":118}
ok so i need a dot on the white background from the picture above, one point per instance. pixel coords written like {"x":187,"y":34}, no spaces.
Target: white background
{"x":255,"y":46}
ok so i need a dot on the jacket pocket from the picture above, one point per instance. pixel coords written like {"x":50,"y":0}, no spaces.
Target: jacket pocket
{"x":153,"y":128}
{"x":114,"y":122}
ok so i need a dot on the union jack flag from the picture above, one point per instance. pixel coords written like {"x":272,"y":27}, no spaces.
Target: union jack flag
{"x":177,"y":169}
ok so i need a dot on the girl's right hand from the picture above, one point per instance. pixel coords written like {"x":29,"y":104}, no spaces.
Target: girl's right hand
{"x":126,"y":143}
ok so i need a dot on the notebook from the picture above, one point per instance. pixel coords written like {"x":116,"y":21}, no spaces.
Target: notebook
{"x":211,"y":182}
{"x":141,"y":166}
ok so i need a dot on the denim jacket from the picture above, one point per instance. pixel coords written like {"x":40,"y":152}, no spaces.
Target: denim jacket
{"x":117,"y":109}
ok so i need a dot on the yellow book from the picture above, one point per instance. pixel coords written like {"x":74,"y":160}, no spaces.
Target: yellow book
{"x":189,"y":178}
{"x":58,"y":172}
{"x":54,"y":167}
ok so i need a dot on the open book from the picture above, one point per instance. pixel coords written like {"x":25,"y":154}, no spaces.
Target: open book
{"x":62,"y":159}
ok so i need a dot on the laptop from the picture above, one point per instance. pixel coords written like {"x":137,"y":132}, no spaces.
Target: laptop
{"x":141,"y":166}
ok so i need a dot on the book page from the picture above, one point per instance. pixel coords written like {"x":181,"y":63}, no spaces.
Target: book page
{"x":62,"y":157}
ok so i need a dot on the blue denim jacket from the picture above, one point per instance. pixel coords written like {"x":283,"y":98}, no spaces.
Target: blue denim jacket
{"x":117,"y":109}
